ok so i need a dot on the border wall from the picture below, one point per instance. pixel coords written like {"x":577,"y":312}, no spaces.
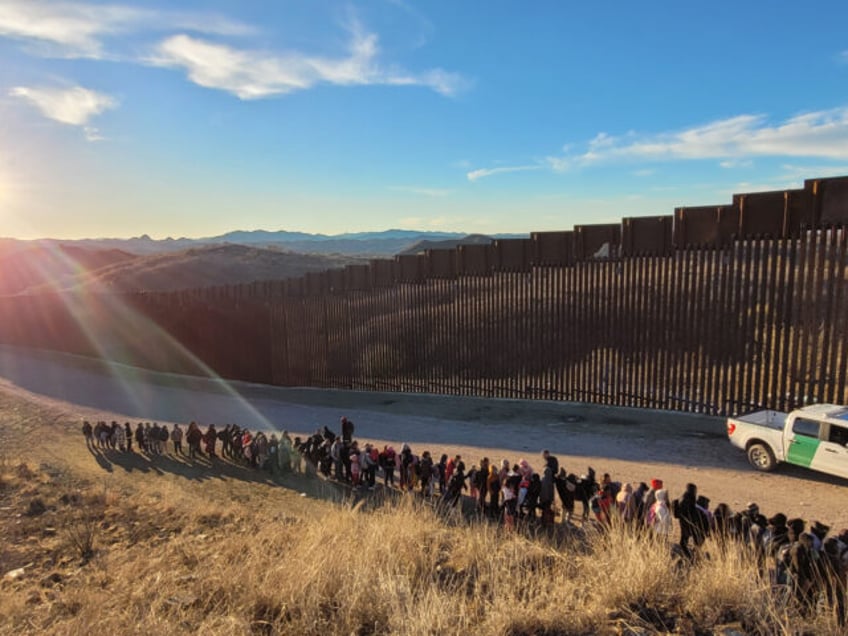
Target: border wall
{"x":714,"y":309}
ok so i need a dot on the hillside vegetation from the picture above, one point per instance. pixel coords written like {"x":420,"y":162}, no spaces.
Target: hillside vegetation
{"x":24,"y":266}
{"x":195,"y":267}
{"x":111,"y":543}
{"x":210,"y":266}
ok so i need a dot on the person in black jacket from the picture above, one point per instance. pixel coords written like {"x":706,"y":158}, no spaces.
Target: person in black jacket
{"x":193,"y":439}
{"x":129,"y":434}
{"x":211,"y":438}
{"x":347,"y":430}
{"x":425,"y":472}
{"x":531,"y":501}
{"x":456,"y":485}
{"x":566,"y":486}
{"x":88,"y":432}
{"x":685,"y":510}
{"x":550,"y":460}
{"x":442,"y":466}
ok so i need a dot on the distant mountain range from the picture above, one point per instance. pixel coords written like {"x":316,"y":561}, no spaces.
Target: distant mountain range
{"x":143,"y":263}
{"x":374,"y":244}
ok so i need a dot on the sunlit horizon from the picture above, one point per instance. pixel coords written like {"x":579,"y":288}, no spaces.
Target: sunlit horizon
{"x":125,"y":118}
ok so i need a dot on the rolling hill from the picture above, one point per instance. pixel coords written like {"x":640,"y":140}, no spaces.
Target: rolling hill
{"x":25,"y":265}
{"x":206,"y":266}
{"x":143,"y":263}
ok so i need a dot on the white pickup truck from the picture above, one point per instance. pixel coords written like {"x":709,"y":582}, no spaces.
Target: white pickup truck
{"x":814,"y":437}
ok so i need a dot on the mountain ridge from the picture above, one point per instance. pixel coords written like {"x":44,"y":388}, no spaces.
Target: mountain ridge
{"x":240,"y":256}
{"x":376,"y":244}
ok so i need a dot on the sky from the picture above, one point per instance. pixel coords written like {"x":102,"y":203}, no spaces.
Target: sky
{"x":195,"y":118}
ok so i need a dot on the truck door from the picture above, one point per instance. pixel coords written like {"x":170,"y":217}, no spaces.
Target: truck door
{"x":832,"y":456}
{"x":802,"y":442}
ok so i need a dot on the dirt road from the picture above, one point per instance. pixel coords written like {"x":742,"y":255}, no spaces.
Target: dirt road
{"x":630,"y":444}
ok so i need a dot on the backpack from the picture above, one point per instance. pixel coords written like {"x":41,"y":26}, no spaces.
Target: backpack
{"x":163,"y":434}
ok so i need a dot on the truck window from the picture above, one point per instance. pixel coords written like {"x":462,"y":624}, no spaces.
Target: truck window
{"x":838,"y":435}
{"x":807,"y":428}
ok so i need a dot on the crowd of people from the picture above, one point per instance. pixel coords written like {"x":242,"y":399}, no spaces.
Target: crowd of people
{"x":256,"y":450}
{"x":807,"y":560}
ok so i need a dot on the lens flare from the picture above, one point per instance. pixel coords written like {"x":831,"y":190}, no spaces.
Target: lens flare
{"x":115,"y":330}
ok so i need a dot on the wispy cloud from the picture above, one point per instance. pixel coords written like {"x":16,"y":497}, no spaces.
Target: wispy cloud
{"x":822,"y":134}
{"x":70,"y":29}
{"x":475,"y":175}
{"x":81,"y":30}
{"x":444,"y":223}
{"x":794,"y":173}
{"x":735,"y":163}
{"x":73,"y":106}
{"x":75,"y":30}
{"x":250,"y":74}
{"x":842,"y":57}
{"x":425,"y":192}
{"x":734,"y":142}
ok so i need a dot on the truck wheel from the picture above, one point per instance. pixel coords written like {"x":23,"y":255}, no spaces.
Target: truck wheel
{"x":761,"y":457}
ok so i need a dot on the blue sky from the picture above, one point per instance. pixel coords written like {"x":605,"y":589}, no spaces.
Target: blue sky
{"x":196,"y":118}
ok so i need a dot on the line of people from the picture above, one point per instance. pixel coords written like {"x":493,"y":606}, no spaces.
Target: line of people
{"x":237,"y":444}
{"x":805,"y":561}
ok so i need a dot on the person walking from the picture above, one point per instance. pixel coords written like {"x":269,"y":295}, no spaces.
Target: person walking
{"x":658,"y":517}
{"x":686,"y":512}
{"x":128,"y":433}
{"x":177,"y":439}
{"x":88,"y":433}
{"x":193,"y":437}
{"x":211,"y":438}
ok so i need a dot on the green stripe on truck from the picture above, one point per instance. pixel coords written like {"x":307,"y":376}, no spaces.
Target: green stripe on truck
{"x":802,"y":450}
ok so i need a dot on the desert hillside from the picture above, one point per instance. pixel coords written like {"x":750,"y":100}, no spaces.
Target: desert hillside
{"x":26,"y":266}
{"x":209,"y":266}
{"x":195,"y":267}
{"x":98,"y":539}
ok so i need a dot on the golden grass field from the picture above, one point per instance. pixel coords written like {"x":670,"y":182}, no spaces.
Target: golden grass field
{"x":121,"y":546}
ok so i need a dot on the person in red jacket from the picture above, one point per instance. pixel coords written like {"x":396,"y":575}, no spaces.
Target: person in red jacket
{"x":450,"y":467}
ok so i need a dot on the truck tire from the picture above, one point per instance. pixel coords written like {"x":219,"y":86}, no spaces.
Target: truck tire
{"x":761,"y":457}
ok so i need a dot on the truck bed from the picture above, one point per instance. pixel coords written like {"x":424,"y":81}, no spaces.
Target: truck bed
{"x":771,"y":419}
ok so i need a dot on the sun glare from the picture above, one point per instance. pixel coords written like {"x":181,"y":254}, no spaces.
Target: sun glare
{"x":5,"y":191}
{"x":7,"y":196}
{"x":13,"y":222}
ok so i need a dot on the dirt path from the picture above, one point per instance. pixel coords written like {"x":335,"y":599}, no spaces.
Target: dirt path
{"x":632,"y":445}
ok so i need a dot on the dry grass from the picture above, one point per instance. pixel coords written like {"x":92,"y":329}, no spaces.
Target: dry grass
{"x":399,"y":568}
{"x":171,"y":554}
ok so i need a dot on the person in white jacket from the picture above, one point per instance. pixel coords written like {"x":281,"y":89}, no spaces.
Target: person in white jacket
{"x":659,"y":516}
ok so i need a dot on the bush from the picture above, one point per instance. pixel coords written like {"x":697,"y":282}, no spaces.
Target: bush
{"x":81,"y":533}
